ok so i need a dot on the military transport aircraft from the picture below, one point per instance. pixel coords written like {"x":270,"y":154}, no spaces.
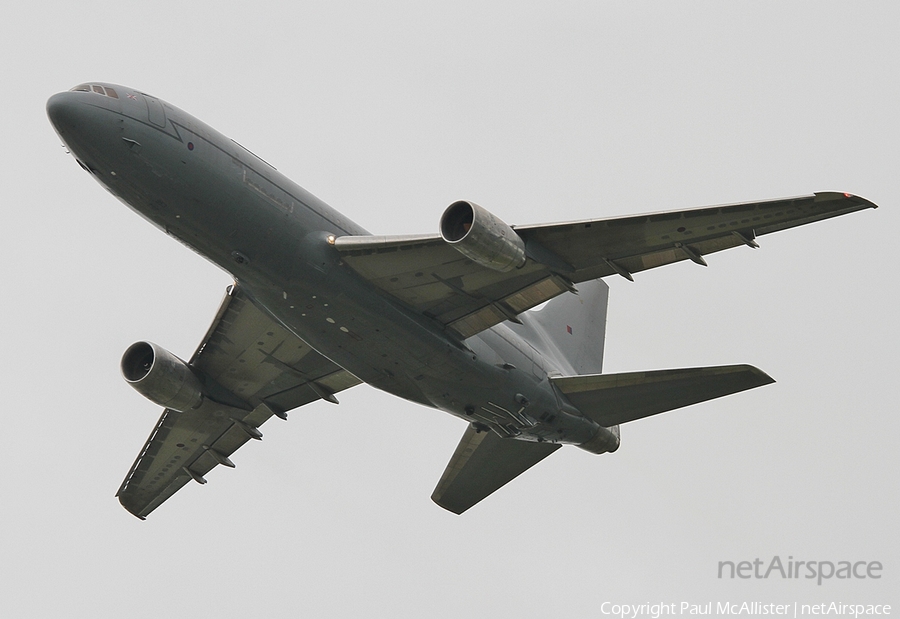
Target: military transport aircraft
{"x":319,"y":305}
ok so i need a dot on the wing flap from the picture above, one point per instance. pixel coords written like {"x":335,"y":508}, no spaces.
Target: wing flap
{"x":483,"y":463}
{"x":612,"y":399}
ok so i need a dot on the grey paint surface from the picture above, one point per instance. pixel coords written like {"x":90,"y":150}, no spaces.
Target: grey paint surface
{"x":277,"y":240}
{"x":601,"y":110}
{"x":428,"y":321}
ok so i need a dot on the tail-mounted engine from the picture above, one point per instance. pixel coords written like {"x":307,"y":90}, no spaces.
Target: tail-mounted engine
{"x":161,"y":377}
{"x":606,"y":440}
{"x":482,"y":237}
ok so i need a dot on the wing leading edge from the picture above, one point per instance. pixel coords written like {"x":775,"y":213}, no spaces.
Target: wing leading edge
{"x":254,"y":368}
{"x":432,"y":277}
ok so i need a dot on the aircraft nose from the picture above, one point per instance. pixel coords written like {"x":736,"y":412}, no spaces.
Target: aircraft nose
{"x":82,"y":121}
{"x":61,"y":109}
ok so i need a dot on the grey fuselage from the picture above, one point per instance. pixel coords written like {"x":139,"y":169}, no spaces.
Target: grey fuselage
{"x":272,"y":236}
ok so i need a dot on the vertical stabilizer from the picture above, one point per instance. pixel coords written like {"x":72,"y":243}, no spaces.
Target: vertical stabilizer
{"x":571,"y":328}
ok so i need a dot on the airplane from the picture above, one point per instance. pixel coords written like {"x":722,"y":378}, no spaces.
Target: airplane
{"x":445,"y":320}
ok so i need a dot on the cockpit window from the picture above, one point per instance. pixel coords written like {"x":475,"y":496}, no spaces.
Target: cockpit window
{"x":100,"y":90}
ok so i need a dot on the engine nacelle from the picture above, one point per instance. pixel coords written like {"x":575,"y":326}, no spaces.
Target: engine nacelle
{"x":482,"y":237}
{"x":161,"y":377}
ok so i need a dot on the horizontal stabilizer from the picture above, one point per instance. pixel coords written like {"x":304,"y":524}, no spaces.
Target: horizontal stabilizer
{"x":611,"y":399}
{"x":482,"y":463}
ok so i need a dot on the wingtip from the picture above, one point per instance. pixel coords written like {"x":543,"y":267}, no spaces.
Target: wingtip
{"x":452,"y":509}
{"x":822,"y":196}
{"x":131,"y":509}
{"x":762,"y":377}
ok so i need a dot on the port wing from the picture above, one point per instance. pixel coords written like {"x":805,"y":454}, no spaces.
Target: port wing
{"x":255,"y":368}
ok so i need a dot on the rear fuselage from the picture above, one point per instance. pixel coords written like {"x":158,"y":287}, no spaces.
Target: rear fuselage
{"x":274,"y":238}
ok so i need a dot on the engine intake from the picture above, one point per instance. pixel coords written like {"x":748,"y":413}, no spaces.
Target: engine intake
{"x":482,"y":237}
{"x":161,"y":377}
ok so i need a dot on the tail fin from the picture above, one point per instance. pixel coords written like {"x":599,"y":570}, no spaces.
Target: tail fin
{"x":611,"y":399}
{"x":571,"y":329}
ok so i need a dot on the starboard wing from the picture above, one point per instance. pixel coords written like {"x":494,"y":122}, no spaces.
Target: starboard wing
{"x":430,"y":276}
{"x":255,"y":368}
{"x":626,"y":245}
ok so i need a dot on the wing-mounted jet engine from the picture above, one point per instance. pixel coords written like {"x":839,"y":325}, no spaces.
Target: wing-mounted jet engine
{"x":482,"y":237}
{"x":161,"y":377}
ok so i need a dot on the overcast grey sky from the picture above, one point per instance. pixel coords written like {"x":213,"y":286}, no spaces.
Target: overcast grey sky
{"x":390,"y":111}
